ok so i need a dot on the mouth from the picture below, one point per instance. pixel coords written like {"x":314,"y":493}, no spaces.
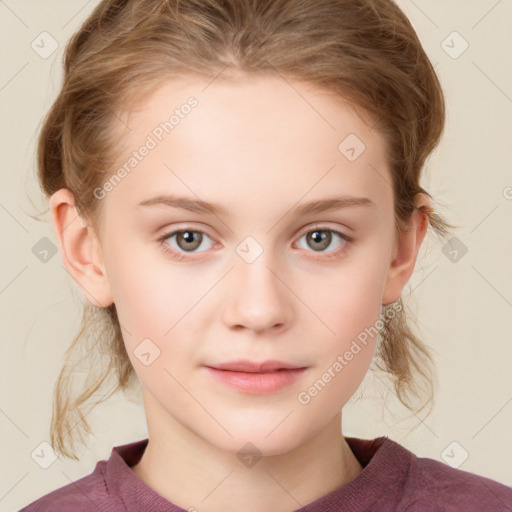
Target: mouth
{"x":243,"y":365}
{"x":256,"y":377}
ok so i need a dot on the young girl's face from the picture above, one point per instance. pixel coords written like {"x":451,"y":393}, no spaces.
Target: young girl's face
{"x":256,"y":275}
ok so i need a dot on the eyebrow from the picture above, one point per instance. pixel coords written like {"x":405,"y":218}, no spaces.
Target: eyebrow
{"x":199,"y":206}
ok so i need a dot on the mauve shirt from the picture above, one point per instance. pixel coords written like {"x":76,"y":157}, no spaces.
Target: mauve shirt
{"x":392,"y":479}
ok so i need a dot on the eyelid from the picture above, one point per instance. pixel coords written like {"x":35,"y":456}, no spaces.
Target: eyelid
{"x":167,"y":232}
{"x":324,"y":227}
{"x":175,"y":231}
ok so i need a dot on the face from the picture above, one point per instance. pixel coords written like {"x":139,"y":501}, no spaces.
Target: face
{"x":256,"y":275}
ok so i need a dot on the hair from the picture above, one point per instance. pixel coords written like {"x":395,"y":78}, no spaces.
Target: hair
{"x":364,"y":51}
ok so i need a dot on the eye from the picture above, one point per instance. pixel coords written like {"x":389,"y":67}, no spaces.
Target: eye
{"x":188,"y":241}
{"x":322,"y":237}
{"x":185,"y":241}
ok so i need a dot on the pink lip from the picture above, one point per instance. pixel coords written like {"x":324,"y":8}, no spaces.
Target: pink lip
{"x":256,"y":378}
{"x":244,"y":365}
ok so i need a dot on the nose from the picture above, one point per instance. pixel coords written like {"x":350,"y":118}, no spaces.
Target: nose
{"x":259,"y":298}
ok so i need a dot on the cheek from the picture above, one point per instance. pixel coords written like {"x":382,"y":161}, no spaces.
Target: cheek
{"x":348,"y":299}
{"x":156,"y":301}
{"x":343,"y":357}
{"x":141,"y":293}
{"x":348,"y":306}
{"x":149,"y":306}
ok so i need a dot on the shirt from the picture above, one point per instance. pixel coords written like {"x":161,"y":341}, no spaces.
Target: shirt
{"x":392,"y":479}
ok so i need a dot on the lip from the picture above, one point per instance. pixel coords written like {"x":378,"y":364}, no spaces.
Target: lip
{"x":256,"y":378}
{"x":245,"y":365}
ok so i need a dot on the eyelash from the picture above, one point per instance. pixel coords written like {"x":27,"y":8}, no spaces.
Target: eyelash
{"x":180,"y":256}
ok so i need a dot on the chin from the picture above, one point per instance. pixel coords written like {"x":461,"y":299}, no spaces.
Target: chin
{"x":260,"y":439}
{"x":260,"y":447}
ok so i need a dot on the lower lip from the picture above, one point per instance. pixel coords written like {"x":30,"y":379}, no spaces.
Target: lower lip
{"x":257,"y":383}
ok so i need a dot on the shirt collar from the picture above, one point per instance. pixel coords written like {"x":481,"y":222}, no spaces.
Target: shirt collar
{"x":376,"y":456}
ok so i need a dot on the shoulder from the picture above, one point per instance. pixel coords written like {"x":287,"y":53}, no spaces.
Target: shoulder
{"x":110,"y":486}
{"x":437,"y":486}
{"x":88,"y":493}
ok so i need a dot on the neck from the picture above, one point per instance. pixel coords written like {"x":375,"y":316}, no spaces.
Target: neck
{"x":190,"y":472}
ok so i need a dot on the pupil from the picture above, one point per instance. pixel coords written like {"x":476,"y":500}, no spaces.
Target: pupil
{"x":188,"y":239}
{"x":320,"y":237}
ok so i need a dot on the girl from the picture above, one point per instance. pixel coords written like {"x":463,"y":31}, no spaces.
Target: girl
{"x":234,"y":186}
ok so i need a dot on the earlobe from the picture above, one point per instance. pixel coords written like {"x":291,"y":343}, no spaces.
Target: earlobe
{"x":79,"y":249}
{"x":408,"y":246}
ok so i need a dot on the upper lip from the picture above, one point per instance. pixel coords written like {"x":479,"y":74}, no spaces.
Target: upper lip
{"x":254,"y":366}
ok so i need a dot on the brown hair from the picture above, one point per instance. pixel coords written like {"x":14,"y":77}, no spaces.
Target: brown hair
{"x":363,"y":50}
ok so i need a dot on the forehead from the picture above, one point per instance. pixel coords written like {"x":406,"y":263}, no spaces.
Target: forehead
{"x":241,"y":142}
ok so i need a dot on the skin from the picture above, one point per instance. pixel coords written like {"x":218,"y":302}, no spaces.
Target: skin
{"x":259,"y":148}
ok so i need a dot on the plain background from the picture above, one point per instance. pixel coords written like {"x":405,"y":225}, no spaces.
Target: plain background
{"x":463,"y":299}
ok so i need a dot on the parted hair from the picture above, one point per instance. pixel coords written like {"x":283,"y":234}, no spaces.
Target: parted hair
{"x":365,"y":51}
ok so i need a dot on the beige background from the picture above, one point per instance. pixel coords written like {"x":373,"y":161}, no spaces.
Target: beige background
{"x":464,"y":307}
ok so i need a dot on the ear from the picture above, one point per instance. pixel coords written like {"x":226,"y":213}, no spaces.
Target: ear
{"x":406,"y":251}
{"x":80,"y":249}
